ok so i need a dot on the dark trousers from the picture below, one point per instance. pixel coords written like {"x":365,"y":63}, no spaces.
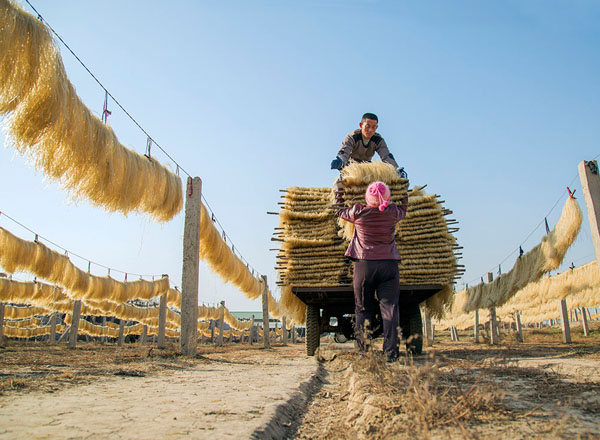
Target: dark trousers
{"x":379,"y":276}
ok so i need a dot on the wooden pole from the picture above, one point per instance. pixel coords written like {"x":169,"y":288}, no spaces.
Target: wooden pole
{"x":265,"y":309}
{"x":52,"y":339}
{"x":284,"y":335}
{"x":221,"y":324}
{"x":75,"y":323}
{"x":564,"y":316}
{"x":590,"y":185}
{"x":518,"y":326}
{"x":191,"y":267}
{"x":213,"y":324}
{"x":121,"y":332}
{"x":293,"y":334}
{"x":1,"y":323}
{"x":493,"y":323}
{"x":162,"y":321}
{"x":251,"y":335}
{"x":476,"y":327}
{"x":586,"y":328}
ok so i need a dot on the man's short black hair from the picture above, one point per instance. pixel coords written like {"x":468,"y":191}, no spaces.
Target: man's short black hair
{"x":372,"y":116}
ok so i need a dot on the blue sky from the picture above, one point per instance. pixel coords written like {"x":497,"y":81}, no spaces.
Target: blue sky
{"x":491,"y":104}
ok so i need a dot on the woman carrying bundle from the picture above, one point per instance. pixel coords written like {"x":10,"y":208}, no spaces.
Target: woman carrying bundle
{"x":373,"y":249}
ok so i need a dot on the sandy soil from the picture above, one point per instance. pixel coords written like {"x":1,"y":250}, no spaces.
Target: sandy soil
{"x":241,"y":393}
{"x":537,"y":389}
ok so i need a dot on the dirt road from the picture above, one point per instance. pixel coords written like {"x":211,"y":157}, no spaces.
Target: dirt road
{"x":234,"y":394}
{"x":537,"y":389}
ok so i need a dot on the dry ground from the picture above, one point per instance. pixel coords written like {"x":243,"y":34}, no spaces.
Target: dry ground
{"x":537,"y":389}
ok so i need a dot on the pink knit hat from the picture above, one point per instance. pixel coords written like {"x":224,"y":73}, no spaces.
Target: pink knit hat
{"x":378,"y":194}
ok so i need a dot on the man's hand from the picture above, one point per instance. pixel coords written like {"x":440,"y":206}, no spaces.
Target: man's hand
{"x":402,"y":173}
{"x":336,"y":164}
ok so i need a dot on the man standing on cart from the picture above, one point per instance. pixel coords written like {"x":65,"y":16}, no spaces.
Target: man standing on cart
{"x":361,"y":145}
{"x":373,"y":249}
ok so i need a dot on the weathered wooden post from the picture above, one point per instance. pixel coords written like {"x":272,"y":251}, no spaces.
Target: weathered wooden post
{"x":121,"y":332}
{"x":221,"y":324}
{"x":251,"y":334}
{"x":586,"y":328}
{"x":590,"y":185}
{"x":493,"y":322}
{"x":144,"y":335}
{"x":518,"y":326}
{"x":293,"y":331}
{"x":75,"y":323}
{"x":191,"y":267}
{"x":265,"y":310}
{"x":1,"y":323}
{"x":284,"y":335}
{"x":162,"y":321}
{"x":564,"y":316}
{"x":52,"y":339}
{"x":212,"y":327}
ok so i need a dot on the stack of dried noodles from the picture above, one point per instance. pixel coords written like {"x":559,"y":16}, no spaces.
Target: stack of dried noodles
{"x":32,"y":322}
{"x":49,"y":123}
{"x":314,"y":242}
{"x":228,"y":265}
{"x":530,"y":267}
{"x":17,"y":255}
{"x":538,"y":301}
{"x":26,"y":333}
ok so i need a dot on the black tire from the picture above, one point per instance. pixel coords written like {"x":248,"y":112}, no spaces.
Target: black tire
{"x":412,"y":328}
{"x":340,"y":338}
{"x":313,"y":330}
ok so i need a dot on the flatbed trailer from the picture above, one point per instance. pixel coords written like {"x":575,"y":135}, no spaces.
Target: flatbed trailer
{"x":324,"y":303}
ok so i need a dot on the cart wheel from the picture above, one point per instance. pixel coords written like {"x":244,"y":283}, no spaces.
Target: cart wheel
{"x":412,"y":328}
{"x":313,"y":331}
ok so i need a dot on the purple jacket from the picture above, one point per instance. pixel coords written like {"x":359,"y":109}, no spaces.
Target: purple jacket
{"x":374,"y":231}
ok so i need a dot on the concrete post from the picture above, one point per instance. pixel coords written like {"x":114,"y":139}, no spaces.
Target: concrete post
{"x":121,"y":332}
{"x":103,"y":323}
{"x":52,"y":339}
{"x":162,"y":321}
{"x":586,"y":328}
{"x":590,"y":185}
{"x":75,"y":323}
{"x":251,"y":335}
{"x":564,"y":316}
{"x":476,"y":327}
{"x":284,"y":334}
{"x":493,"y":323}
{"x":191,"y":267}
{"x":144,"y":335}
{"x":265,"y":310}
{"x":221,"y":324}
{"x":518,"y":326}
{"x":1,"y":323}
{"x":427,"y":328}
